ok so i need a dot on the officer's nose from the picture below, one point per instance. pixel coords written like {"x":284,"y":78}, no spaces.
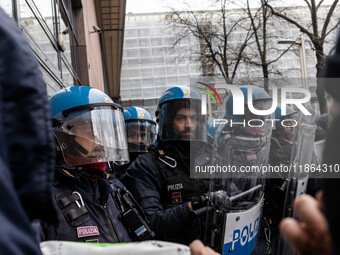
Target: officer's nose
{"x":188,"y":122}
{"x":139,"y":139}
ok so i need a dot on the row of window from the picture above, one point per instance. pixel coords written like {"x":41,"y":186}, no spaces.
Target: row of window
{"x":48,"y":27}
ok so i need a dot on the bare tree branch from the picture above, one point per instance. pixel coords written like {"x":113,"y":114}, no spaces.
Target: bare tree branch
{"x":309,"y":6}
{"x":284,"y":52}
{"x":319,"y":4}
{"x":314,"y":19}
{"x":329,"y":15}
{"x":302,"y":29}
{"x":333,"y":28}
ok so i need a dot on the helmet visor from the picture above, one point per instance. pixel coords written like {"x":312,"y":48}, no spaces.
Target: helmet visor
{"x":89,"y":136}
{"x":259,"y":104}
{"x":140,"y":134}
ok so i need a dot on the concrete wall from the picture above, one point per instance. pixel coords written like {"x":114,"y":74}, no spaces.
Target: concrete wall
{"x":92,"y":42}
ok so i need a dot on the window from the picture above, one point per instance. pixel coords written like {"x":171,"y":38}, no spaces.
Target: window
{"x":157,"y":52}
{"x":160,"y":81}
{"x":132,"y":53}
{"x":146,"y":72}
{"x":130,"y":33}
{"x":145,"y":53}
{"x":134,"y":73}
{"x":147,"y":82}
{"x":130,"y":43}
{"x":146,"y":61}
{"x":158,"y":71}
{"x":172,"y":80}
{"x":144,"y":42}
{"x":143,"y":32}
{"x":135,"y":83}
{"x":156,"y":41}
{"x":171,"y":70}
{"x":158,"y":60}
{"x":133,"y":62}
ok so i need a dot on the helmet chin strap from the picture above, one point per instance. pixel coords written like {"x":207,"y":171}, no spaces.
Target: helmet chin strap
{"x":79,"y":147}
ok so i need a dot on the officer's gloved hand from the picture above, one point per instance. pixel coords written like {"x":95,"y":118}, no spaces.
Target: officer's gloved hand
{"x":199,"y":202}
{"x":218,"y":198}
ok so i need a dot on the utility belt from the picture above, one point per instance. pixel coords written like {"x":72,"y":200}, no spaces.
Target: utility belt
{"x":132,"y":215}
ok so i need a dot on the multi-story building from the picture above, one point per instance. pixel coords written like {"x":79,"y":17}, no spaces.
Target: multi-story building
{"x":74,"y":40}
{"x":151,"y":64}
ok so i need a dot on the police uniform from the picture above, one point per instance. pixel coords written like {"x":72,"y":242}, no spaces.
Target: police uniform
{"x":160,"y":180}
{"x":91,"y":205}
{"x":163,"y":190}
{"x":85,"y":207}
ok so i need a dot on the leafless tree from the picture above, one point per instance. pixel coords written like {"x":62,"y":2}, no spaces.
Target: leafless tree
{"x":319,"y":27}
{"x":263,"y":43}
{"x":220,"y":51}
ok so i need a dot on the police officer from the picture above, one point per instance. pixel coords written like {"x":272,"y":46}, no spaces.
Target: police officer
{"x":245,"y":138}
{"x":141,"y":133}
{"x":160,"y":180}
{"x":274,"y":197}
{"x":243,"y":143}
{"x":92,"y":206}
{"x":283,"y":135}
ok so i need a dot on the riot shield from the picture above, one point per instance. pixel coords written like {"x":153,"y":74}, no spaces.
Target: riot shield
{"x":235,"y":197}
{"x":302,"y":156}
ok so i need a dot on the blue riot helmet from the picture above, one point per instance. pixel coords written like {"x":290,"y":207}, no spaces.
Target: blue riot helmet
{"x":260,"y":101}
{"x":88,"y":126}
{"x":290,"y":114}
{"x":214,"y":127}
{"x":140,"y":129}
{"x":179,"y":115}
{"x":285,"y":124}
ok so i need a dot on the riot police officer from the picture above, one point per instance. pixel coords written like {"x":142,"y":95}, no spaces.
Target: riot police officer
{"x":284,"y":133}
{"x":160,"y":180}
{"x":280,"y":153}
{"x":141,"y":133}
{"x":243,"y":144}
{"x":91,"y":205}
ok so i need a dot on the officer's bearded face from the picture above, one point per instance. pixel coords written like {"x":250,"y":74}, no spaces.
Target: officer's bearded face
{"x":185,"y":123}
{"x":288,"y":132}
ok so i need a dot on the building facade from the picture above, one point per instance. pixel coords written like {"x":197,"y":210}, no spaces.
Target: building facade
{"x":69,"y":39}
{"x":151,"y":64}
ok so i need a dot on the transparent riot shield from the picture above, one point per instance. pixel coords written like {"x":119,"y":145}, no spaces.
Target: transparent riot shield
{"x":302,"y":156}
{"x":235,"y":197}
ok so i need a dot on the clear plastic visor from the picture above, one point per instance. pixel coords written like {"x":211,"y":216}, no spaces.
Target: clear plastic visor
{"x":182,"y":120}
{"x":91,"y":136}
{"x":140,"y":134}
{"x":259,"y":104}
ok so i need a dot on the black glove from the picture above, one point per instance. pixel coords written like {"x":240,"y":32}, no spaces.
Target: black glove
{"x":218,"y":198}
{"x":199,"y":202}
